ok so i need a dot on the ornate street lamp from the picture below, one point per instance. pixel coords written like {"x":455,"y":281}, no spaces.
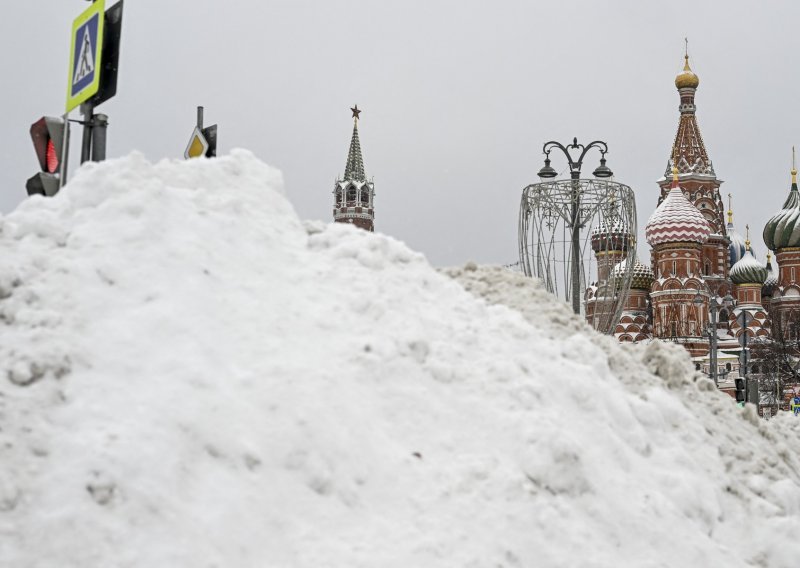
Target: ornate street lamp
{"x":714,"y":305}
{"x":552,"y":215}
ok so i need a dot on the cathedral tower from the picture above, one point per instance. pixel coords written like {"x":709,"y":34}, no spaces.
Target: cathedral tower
{"x":677,"y":233}
{"x":699,"y":183}
{"x":782,"y":234}
{"x":748,"y":276}
{"x":354,"y":196}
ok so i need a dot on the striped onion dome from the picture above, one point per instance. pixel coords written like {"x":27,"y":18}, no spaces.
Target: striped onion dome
{"x":676,"y":220}
{"x":772,"y":278}
{"x":737,"y":247}
{"x":748,"y":270}
{"x":783,"y":230}
{"x":642,"y":278}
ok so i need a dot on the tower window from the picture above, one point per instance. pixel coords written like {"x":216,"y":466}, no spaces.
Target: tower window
{"x":351,"y":194}
{"x":338,"y":197}
{"x":364,"y":196}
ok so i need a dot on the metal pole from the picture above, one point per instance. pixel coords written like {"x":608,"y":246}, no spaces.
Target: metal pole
{"x":713,"y":338}
{"x":64,"y":158}
{"x":744,"y":360}
{"x":200,"y":117}
{"x":87,"y":109}
{"x":576,"y":242}
{"x":99,"y":131}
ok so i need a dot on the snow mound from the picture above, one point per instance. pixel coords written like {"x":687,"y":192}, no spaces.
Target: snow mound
{"x":191,"y":376}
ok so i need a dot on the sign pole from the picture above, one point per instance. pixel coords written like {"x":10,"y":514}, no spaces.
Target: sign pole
{"x":99,"y":130}
{"x":200,"y":117}
{"x":87,"y":109}
{"x":64,"y":158}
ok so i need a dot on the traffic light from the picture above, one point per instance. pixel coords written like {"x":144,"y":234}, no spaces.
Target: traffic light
{"x":739,"y":390}
{"x":47,"y":134}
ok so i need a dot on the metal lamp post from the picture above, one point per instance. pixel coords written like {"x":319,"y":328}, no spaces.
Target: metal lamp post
{"x":714,"y":306}
{"x":602,"y":171}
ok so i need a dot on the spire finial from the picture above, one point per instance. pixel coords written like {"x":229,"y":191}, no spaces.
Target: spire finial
{"x":794,"y":169}
{"x":730,"y":210}
{"x":769,"y":257}
{"x":747,"y":239}
{"x":686,"y":55}
{"x":674,"y":176}
{"x":354,"y":170}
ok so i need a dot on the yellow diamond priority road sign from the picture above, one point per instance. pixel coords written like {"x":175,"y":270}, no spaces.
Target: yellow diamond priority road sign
{"x":198,"y":145}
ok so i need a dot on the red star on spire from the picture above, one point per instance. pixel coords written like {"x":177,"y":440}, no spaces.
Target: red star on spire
{"x":356,"y":112}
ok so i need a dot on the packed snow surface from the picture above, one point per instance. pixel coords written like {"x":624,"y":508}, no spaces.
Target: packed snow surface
{"x":192,"y":377}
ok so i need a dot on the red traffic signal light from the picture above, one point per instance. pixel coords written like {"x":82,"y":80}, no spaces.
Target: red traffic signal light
{"x":47,"y":134}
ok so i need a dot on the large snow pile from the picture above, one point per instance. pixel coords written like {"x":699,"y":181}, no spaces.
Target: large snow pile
{"x":192,"y":377}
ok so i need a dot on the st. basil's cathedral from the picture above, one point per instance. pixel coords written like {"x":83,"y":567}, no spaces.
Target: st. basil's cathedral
{"x":703,"y":274}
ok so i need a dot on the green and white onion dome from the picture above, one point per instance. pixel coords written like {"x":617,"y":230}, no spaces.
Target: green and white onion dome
{"x":771,"y":283}
{"x":748,"y":270}
{"x":642,"y":278}
{"x":783,"y":229}
{"x":737,"y":247}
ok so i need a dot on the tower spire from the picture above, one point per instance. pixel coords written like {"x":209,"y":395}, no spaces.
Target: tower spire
{"x":354,"y":169}
{"x":794,"y":169}
{"x":688,"y":150}
{"x":730,"y":210}
{"x":354,"y":196}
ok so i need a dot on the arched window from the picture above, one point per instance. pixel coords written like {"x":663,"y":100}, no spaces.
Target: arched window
{"x":338,"y":197}
{"x":365,"y":195}
{"x":351,"y":195}
{"x":727,"y":366}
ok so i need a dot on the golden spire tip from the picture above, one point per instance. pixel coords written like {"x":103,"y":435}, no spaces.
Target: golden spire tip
{"x":686,"y":55}
{"x":730,"y":210}
{"x":747,"y":239}
{"x":675,"y":174}
{"x":794,"y":168}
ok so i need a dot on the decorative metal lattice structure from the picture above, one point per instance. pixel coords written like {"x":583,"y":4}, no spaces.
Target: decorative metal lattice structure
{"x":574,"y":235}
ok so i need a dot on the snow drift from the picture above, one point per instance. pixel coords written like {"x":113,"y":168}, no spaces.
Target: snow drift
{"x":192,"y":377}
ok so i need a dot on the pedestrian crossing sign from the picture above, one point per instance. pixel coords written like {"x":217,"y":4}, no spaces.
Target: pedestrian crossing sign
{"x":85,"y":55}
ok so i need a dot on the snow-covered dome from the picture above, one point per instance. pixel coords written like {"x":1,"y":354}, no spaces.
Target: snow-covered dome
{"x":642,"y":277}
{"x":783,"y":230}
{"x":616,"y":236}
{"x":676,"y":220}
{"x":772,"y":278}
{"x":748,"y":270}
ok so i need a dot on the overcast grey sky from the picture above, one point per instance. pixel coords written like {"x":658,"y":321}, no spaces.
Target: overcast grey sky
{"x":457,"y":98}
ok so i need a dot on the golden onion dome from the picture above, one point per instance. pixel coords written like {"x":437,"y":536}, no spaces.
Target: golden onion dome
{"x":687,"y":78}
